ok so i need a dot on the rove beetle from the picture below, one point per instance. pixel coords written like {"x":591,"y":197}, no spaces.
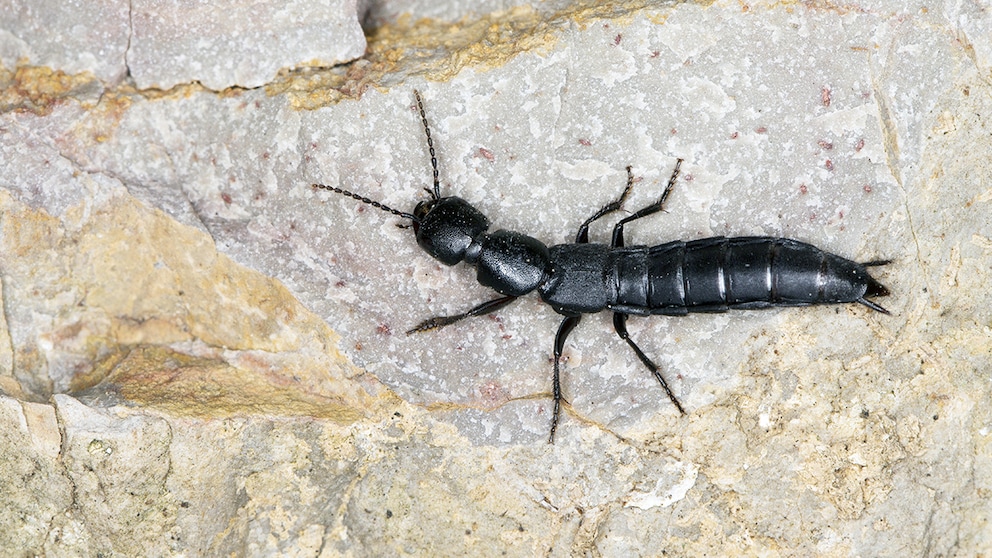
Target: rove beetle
{"x":706,"y":275}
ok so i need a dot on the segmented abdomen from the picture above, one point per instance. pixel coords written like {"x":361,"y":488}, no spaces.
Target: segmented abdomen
{"x":717,"y":274}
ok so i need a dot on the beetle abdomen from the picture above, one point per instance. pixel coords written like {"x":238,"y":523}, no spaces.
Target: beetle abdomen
{"x":717,"y":274}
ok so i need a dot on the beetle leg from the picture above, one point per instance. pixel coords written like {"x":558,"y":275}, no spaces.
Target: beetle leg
{"x":567,"y":325}
{"x":644,"y":212}
{"x":480,"y":310}
{"x":620,"y":325}
{"x":582,"y":237}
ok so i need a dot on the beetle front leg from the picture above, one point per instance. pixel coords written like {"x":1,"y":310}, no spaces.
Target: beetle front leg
{"x":440,"y":321}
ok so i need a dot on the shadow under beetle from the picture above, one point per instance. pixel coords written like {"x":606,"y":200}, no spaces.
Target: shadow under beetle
{"x":707,"y":275}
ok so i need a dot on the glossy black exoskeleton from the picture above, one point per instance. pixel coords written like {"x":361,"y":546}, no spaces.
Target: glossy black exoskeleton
{"x":707,"y":275}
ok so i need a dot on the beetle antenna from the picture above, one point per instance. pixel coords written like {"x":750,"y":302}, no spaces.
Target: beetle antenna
{"x":363,"y":199}
{"x":436,"y":194}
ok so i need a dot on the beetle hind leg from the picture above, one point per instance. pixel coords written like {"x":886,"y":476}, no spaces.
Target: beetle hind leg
{"x":566,"y":327}
{"x":617,"y":241}
{"x":582,"y":236}
{"x":620,"y":325}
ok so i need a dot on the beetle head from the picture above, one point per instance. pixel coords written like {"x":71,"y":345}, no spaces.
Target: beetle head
{"x":446,"y":228}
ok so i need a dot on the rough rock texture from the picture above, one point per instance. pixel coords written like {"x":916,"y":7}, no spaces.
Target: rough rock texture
{"x":163,"y":43}
{"x":202,"y":355}
{"x":71,"y":37}
{"x":238,"y":42}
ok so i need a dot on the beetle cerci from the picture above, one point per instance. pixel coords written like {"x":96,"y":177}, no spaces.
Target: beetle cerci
{"x":706,"y":275}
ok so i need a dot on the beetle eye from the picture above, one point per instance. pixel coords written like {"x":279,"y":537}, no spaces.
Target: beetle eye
{"x":423,"y":208}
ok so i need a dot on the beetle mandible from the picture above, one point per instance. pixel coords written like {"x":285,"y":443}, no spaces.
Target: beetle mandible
{"x":707,"y":275}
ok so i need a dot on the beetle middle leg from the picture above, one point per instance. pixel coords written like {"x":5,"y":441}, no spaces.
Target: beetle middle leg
{"x":569,"y":323}
{"x":619,"y":319}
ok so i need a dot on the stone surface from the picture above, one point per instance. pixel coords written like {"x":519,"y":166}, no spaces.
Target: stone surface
{"x":72,"y":37}
{"x":223,"y":44}
{"x":381,"y":13}
{"x":164,"y":43}
{"x":202,"y":355}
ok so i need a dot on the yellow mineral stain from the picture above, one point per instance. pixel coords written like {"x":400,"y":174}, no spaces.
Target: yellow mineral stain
{"x":156,"y":276}
{"x":9,"y":386}
{"x":104,"y":118}
{"x":138,"y":284}
{"x":185,"y":385}
{"x":439,"y":50}
{"x":39,"y":89}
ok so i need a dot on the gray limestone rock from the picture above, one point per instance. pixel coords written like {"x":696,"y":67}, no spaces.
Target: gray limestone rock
{"x":200,"y":354}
